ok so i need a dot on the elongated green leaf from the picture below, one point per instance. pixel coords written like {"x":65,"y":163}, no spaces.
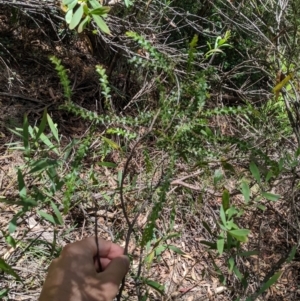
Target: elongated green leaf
{"x":245,"y":191}
{"x":47,"y":217}
{"x":111,"y":143}
{"x":10,"y":240}
{"x":83,"y":24}
{"x":66,"y":2}
{"x":53,"y":127}
{"x":21,"y":185}
{"x":255,"y":172}
{"x":69,"y":16}
{"x":101,"y":24}
{"x":270,"y":196}
{"x":206,"y":226}
{"x":240,"y":234}
{"x":26,"y":135}
{"x":176,"y":250}
{"x":171,"y":235}
{"x":42,"y":126}
{"x":72,"y":4}
{"x":269,"y":176}
{"x":160,"y":249}
{"x":95,"y":4}
{"x":270,"y":282}
{"x":57,"y":213}
{"x":230,"y":264}
{"x":157,"y":286}
{"x":218,"y":176}
{"x":292,"y":254}
{"x":100,"y":10}
{"x":212,"y":245}
{"x":220,"y":244}
{"x":108,"y":164}
{"x":225,"y":199}
{"x":222,"y":215}
{"x":127,"y":3}
{"x":46,"y":141}
{"x":8,"y":269}
{"x":4,"y":293}
{"x":228,"y":166}
{"x":76,"y":17}
{"x":12,"y":226}
{"x":237,"y":273}
{"x":42,"y":164}
{"x":17,"y":132}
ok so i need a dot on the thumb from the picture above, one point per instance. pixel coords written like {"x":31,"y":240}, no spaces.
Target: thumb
{"x":113,"y":275}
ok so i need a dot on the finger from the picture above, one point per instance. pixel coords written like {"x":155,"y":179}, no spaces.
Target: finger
{"x":113,"y":275}
{"x":88,"y":247}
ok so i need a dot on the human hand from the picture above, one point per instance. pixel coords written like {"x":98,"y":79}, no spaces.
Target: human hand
{"x":73,"y":275}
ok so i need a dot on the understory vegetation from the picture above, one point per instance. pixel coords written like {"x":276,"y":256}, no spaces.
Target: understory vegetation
{"x":169,"y":127}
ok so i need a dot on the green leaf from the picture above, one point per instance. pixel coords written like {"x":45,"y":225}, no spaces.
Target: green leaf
{"x":245,"y":191}
{"x":69,"y":16}
{"x":53,"y":127}
{"x":42,"y":126}
{"x":108,"y":164}
{"x":8,"y":269}
{"x":67,"y":2}
{"x":21,"y":185}
{"x":47,"y":142}
{"x":47,"y":217}
{"x":222,"y":215}
{"x":12,"y":226}
{"x":160,"y":249}
{"x":72,"y":4}
{"x":100,"y":10}
{"x":228,"y":166}
{"x":225,"y":199}
{"x":230,"y":212}
{"x":101,"y":24}
{"x":292,"y":254}
{"x":57,"y":213}
{"x":10,"y":240}
{"x":76,"y":17}
{"x":206,"y":226}
{"x":270,"y":196}
{"x":255,"y":172}
{"x":237,"y":273}
{"x":3,"y":293}
{"x":220,"y":244}
{"x":212,"y":245}
{"x":270,"y":282}
{"x":83,"y":24}
{"x":95,"y":3}
{"x":111,"y":143}
{"x":240,"y":234}
{"x":261,"y":207}
{"x":18,"y":132}
{"x":127,"y":3}
{"x":230,"y":264}
{"x":42,"y":164}
{"x":231,"y":225}
{"x":269,"y":175}
{"x":176,"y":250}
{"x":26,"y":135}
{"x":218,"y":176}
{"x":157,"y":286}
